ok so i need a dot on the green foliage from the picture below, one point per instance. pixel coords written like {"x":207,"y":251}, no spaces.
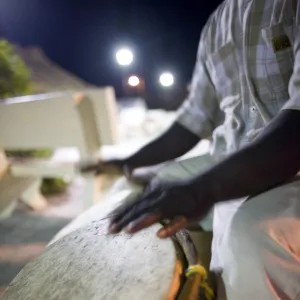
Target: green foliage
{"x":35,"y":153}
{"x":51,"y":186}
{"x":15,"y":77}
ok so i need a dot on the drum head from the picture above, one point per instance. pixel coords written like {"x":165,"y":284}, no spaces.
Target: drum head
{"x":89,"y":264}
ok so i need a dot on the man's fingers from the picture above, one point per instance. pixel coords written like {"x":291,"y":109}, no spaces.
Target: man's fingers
{"x":116,"y":216}
{"x":92,"y":167}
{"x":127,"y":216}
{"x":144,"y":205}
{"x":118,"y":213}
{"x":87,"y":166}
{"x":143,"y":222}
{"x":170,"y":229}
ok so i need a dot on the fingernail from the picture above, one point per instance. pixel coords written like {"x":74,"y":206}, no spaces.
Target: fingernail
{"x":112,"y":228}
{"x":162,"y":234}
{"x":129,"y":228}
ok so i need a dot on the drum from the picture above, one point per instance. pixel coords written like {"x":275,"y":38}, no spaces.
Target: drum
{"x":84,"y":263}
{"x":88,"y":264}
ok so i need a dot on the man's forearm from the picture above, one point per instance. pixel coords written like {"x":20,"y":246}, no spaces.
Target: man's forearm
{"x":271,"y":159}
{"x":175,"y":142}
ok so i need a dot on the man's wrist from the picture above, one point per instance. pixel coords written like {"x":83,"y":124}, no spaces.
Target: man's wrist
{"x":129,"y":163}
{"x":204,"y":189}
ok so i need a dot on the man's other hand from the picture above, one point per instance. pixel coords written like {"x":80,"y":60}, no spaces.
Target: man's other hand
{"x":113,"y":166}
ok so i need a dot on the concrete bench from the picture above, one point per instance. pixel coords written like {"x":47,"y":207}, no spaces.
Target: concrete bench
{"x":14,"y":188}
{"x":61,"y":122}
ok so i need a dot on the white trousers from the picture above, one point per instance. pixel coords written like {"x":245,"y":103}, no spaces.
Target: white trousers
{"x":256,"y":243}
{"x":260,"y":252}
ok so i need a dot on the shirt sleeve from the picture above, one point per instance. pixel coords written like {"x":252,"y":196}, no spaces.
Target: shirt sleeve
{"x":198,"y":111}
{"x":294,"y":84}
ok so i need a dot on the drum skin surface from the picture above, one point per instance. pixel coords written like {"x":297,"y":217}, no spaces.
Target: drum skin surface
{"x":88,"y":264}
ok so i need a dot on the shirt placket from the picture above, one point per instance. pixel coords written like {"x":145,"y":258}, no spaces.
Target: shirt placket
{"x":252,"y":11}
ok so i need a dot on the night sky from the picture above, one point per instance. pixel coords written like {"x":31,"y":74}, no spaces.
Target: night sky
{"x":82,"y":36}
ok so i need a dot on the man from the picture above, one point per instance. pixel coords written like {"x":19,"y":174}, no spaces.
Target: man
{"x":245,"y":94}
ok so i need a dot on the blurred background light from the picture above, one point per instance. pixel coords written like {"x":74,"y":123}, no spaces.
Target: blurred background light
{"x":166,"y":79}
{"x":124,"y":57}
{"x":133,"y":81}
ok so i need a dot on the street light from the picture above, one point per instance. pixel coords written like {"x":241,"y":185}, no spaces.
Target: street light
{"x":166,"y":79}
{"x":124,"y":57}
{"x":133,"y":81}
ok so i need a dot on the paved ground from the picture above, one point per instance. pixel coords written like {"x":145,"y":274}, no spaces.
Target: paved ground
{"x":25,"y":235}
{"x":22,"y":238}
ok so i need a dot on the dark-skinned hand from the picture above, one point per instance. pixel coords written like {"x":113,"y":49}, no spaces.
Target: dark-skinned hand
{"x":174,"y":204}
{"x":112,"y":166}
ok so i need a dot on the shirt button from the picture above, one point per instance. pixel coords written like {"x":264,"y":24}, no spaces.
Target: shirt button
{"x":253,"y":109}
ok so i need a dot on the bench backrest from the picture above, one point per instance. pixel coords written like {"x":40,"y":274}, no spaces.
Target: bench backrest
{"x":49,"y":121}
{"x":106,"y":113}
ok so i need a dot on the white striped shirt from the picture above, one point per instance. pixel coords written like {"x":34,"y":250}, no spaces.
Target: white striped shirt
{"x":242,"y":77}
{"x":248,"y":69}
